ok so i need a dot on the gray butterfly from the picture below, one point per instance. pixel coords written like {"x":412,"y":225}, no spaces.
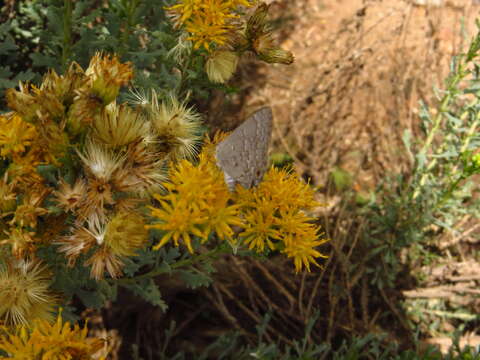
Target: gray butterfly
{"x":243,"y":155}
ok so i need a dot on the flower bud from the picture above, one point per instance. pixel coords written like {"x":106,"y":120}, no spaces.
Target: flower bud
{"x":221,"y":65}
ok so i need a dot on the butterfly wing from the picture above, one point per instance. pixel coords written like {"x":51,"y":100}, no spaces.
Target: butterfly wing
{"x":243,"y":155}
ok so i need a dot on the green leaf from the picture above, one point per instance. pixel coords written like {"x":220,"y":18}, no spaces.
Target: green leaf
{"x":48,"y":172}
{"x":147,"y":290}
{"x":8,"y":45}
{"x":195,"y":279}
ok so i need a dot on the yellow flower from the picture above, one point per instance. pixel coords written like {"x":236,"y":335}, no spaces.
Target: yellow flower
{"x":204,"y":32}
{"x":220,"y":219}
{"x":300,"y":237}
{"x":43,"y":340}
{"x":294,"y":222}
{"x":15,"y":135}
{"x":286,"y":191}
{"x":196,"y":203}
{"x":260,"y":230}
{"x":209,"y":22}
{"x":178,"y":220}
{"x":302,"y":249}
{"x":24,"y":292}
{"x":274,"y":217}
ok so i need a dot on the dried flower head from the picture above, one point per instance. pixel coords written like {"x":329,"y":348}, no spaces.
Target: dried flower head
{"x":27,"y":213}
{"x":23,"y":102}
{"x":83,"y":238}
{"x":120,"y":125}
{"x":143,"y":173}
{"x":259,"y":36}
{"x":100,"y":162}
{"x":70,"y":197}
{"x":24,"y":292}
{"x":98,"y":87}
{"x":63,"y":86}
{"x":20,"y":240}
{"x":7,"y":196}
{"x":104,"y":260}
{"x":268,"y":52}
{"x":107,"y":241}
{"x":86,"y":107}
{"x":107,"y":75}
{"x":100,"y":165}
{"x":177,"y":128}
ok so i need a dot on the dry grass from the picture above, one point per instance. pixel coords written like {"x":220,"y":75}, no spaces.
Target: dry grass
{"x":361,"y":68}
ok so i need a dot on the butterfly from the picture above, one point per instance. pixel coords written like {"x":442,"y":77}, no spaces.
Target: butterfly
{"x":242,"y":156}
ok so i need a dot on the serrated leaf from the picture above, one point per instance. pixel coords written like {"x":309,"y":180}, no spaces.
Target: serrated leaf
{"x":42,"y":60}
{"x":133,"y":265}
{"x":194,"y":280}
{"x":169,"y":255}
{"x":7,"y":45}
{"x":147,"y":290}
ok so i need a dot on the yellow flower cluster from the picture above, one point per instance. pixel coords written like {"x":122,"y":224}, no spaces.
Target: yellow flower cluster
{"x":208,"y":21}
{"x":275,"y":217}
{"x":226,"y":29}
{"x":197,"y":203}
{"x":43,"y":340}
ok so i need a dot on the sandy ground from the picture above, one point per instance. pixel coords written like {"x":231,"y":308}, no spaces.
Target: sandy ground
{"x":361,"y":67}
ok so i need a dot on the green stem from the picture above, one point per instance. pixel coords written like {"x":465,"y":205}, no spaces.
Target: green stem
{"x":67,"y":33}
{"x":183,"y":80}
{"x":443,"y":108}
